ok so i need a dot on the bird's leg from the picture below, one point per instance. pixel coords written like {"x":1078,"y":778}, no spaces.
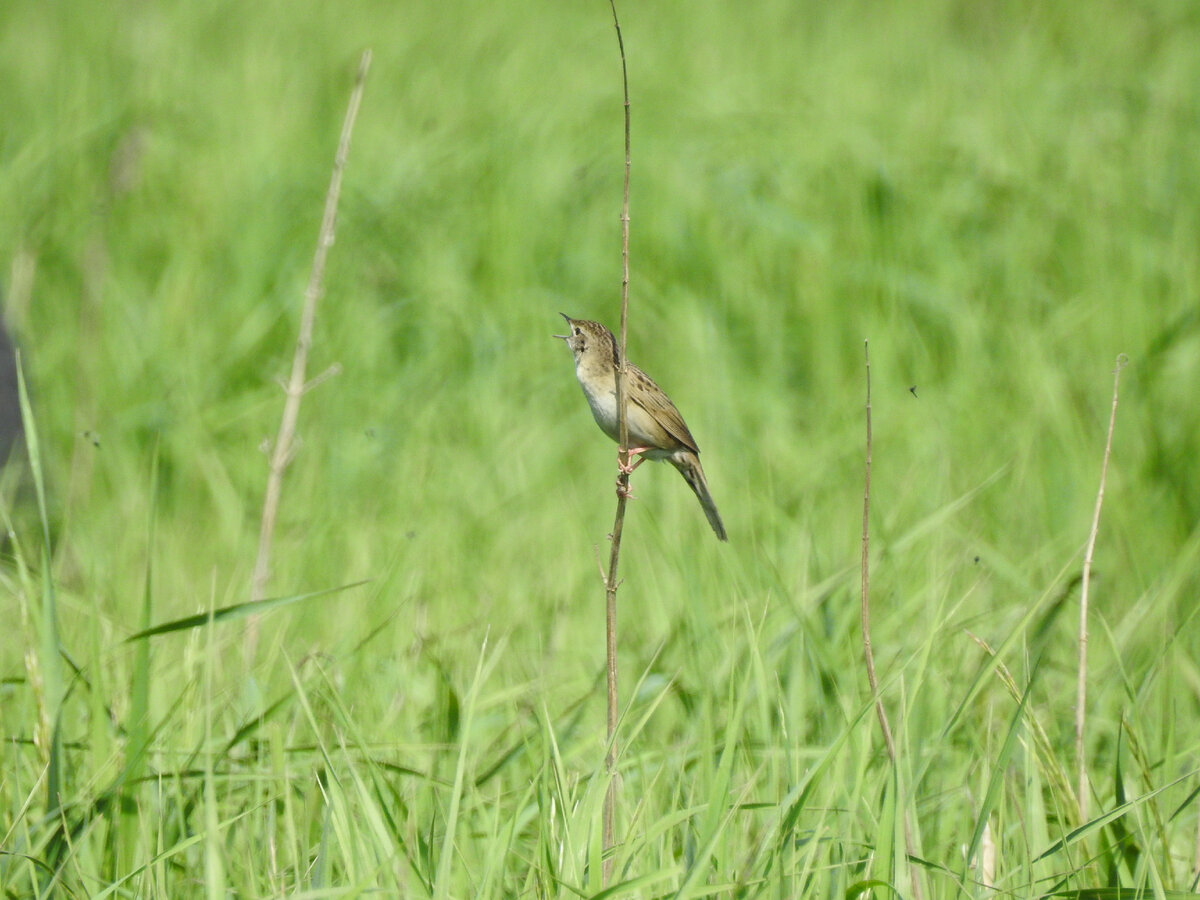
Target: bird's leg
{"x":623,"y":490}
{"x":630,"y":453}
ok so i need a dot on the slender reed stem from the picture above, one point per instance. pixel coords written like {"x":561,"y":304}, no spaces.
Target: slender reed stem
{"x":868,"y":652}
{"x":1081,"y":674}
{"x":611,"y":582}
{"x":284,"y":448}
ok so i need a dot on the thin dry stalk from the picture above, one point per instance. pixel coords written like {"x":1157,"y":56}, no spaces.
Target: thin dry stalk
{"x":611,"y":583}
{"x":296,"y":387}
{"x":1081,"y":674}
{"x":868,"y":652}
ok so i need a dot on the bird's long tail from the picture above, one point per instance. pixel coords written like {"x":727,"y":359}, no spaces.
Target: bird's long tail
{"x":689,"y":467}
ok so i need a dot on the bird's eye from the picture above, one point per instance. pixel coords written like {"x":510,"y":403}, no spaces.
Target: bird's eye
{"x":578,"y":331}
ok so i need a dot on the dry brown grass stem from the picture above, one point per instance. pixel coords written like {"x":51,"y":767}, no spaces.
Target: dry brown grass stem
{"x":868,"y":652}
{"x":285,"y":442}
{"x":1081,"y":673}
{"x":611,"y":582}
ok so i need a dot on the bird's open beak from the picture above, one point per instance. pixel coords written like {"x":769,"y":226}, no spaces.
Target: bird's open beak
{"x":565,"y":337}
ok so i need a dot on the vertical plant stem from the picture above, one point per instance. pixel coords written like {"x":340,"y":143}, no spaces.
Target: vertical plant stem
{"x":611,"y":582}
{"x":1081,"y":674}
{"x":281,"y":454}
{"x":868,"y":652}
{"x":46,"y":670}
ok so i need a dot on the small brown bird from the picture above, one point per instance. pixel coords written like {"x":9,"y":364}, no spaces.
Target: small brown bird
{"x":656,"y":429}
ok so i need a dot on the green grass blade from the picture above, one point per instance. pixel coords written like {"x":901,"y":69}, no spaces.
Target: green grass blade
{"x":138,"y":730}
{"x":441,"y":888}
{"x":214,"y":854}
{"x":1039,"y":636}
{"x":35,"y":456}
{"x":236,"y":611}
{"x":999,"y":770}
{"x":136,"y":725}
{"x":53,"y":688}
{"x":1122,"y":893}
{"x":717,"y":807}
{"x":1116,"y":812}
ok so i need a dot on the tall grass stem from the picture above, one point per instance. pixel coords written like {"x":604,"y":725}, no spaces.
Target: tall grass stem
{"x":284,"y":448}
{"x":1081,"y":671}
{"x":611,"y":582}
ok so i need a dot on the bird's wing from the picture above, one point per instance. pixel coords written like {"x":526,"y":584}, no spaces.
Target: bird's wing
{"x":650,"y":397}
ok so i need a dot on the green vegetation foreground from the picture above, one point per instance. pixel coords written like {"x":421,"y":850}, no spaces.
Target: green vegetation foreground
{"x":1001,"y":197}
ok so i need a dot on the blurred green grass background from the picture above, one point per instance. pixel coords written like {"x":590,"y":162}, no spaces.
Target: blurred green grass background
{"x":1000,"y":196}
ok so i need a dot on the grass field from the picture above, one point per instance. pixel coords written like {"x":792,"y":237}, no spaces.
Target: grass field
{"x":1000,"y":196}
